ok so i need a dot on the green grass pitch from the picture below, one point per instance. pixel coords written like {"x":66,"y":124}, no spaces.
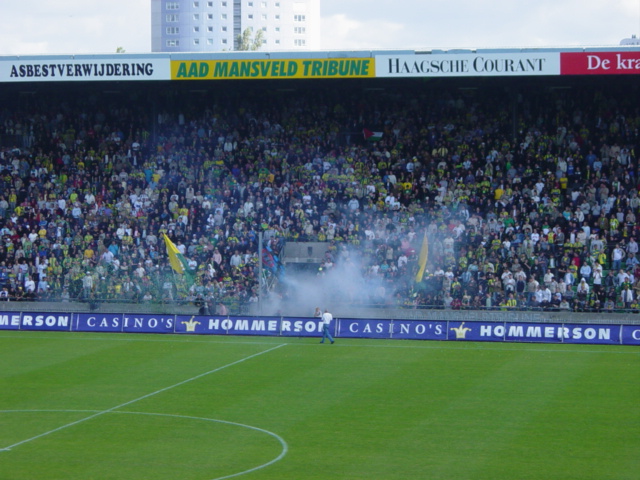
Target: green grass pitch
{"x":77,"y":406}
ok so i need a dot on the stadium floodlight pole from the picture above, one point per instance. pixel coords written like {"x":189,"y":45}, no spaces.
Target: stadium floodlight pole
{"x":260,"y":273}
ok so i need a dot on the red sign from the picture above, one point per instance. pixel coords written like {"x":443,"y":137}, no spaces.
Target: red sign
{"x":600,"y":63}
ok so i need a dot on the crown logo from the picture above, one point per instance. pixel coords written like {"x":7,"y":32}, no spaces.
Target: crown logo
{"x":191,"y":324}
{"x":461,"y":331}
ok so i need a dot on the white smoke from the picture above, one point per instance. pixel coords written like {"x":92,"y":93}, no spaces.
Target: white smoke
{"x":346,"y":283}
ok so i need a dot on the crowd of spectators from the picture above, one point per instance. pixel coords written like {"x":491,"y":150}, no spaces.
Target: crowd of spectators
{"x":525,"y":202}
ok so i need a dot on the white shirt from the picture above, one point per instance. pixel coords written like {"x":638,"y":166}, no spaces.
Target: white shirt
{"x":583,"y":287}
{"x":30,"y":286}
{"x":326,"y":318}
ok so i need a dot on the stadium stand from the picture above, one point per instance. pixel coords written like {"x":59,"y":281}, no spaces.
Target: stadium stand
{"x":528,"y":198}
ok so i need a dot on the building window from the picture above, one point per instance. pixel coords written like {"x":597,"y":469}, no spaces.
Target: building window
{"x":299,"y":18}
{"x":277,"y":42}
{"x":224,"y":4}
{"x":196,"y":4}
{"x":173,"y":43}
{"x":209,"y":16}
{"x":250,"y":16}
{"x":210,"y":4}
{"x":224,"y":28}
{"x":250,"y":4}
{"x":210,"y":29}
{"x":173,"y":6}
{"x":277,"y":29}
{"x":224,"y":41}
{"x":264,"y":16}
{"x":263,"y":4}
{"x":278,"y":4}
{"x":264,"y":29}
{"x":172,"y":18}
{"x":299,"y":30}
{"x":173,"y":30}
{"x":196,"y":41}
{"x":277,"y":17}
{"x":223,"y":16}
{"x":209,"y":41}
{"x":299,"y":42}
{"x":196,"y":29}
{"x":196,"y":16}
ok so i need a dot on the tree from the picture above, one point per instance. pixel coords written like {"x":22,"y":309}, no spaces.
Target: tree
{"x":246,"y":43}
{"x":120,"y":50}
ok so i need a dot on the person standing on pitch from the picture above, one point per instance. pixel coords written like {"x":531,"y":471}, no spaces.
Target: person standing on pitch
{"x":326,"y":321}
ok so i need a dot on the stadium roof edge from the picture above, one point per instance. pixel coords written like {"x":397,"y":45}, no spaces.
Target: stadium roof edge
{"x":162,"y":66}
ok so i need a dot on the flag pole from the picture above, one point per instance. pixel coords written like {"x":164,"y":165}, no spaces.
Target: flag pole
{"x":260,"y":273}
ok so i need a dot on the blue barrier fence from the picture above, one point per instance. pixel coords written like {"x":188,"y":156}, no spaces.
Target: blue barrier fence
{"x":444,"y":330}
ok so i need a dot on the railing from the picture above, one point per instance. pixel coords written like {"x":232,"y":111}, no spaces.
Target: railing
{"x":372,"y":311}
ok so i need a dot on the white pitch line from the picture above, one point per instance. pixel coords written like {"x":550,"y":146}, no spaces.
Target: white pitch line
{"x":283,"y":443}
{"x":285,"y":447}
{"x":140,"y":398}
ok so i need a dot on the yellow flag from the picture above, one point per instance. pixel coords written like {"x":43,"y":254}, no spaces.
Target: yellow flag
{"x":422,"y":258}
{"x":174,"y":256}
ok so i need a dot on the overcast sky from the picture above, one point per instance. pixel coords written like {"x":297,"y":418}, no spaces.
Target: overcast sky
{"x":32,"y":27}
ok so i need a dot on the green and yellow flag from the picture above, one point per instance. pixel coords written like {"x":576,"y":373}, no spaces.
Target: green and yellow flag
{"x":422,"y":258}
{"x":178,"y":263}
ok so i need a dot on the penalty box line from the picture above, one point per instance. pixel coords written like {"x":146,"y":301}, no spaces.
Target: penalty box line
{"x":90,"y":417}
